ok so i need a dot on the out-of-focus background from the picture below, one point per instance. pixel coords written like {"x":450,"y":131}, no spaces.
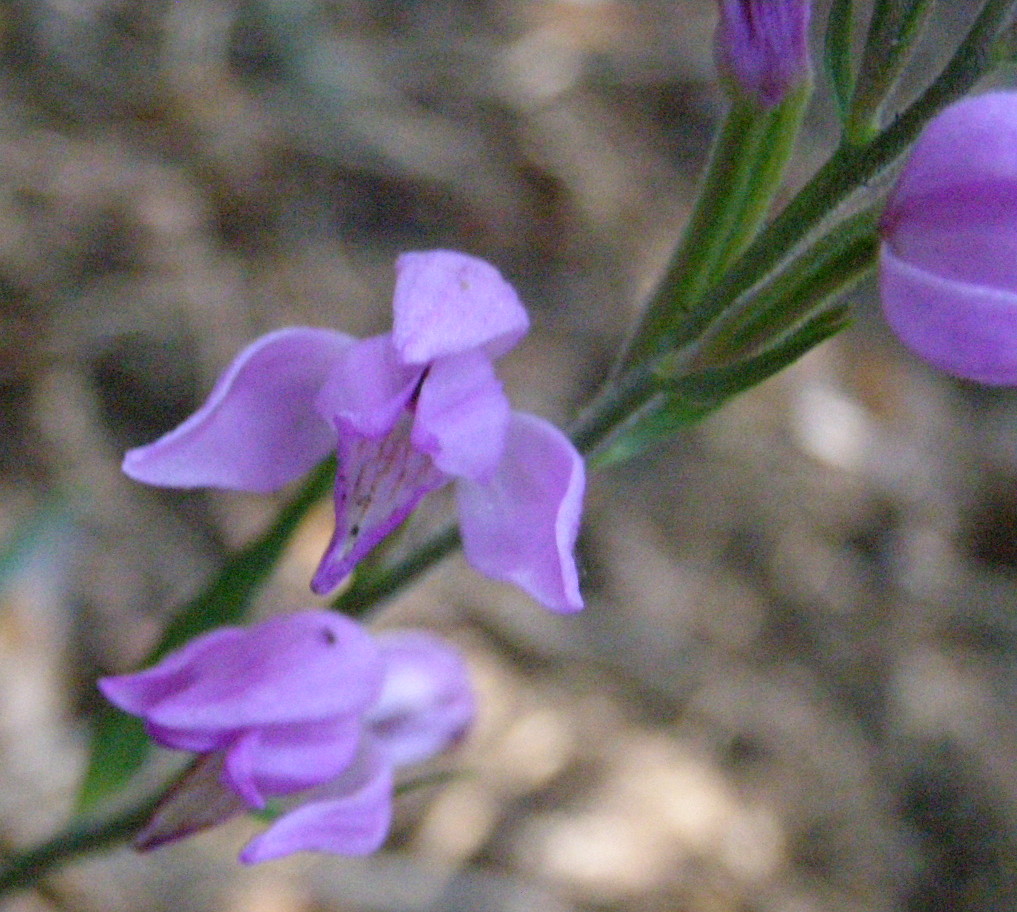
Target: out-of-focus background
{"x":792,"y":689}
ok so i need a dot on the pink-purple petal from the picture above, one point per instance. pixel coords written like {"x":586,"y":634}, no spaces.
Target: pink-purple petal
{"x":446,"y":303}
{"x":140,"y":691}
{"x":283,"y":759}
{"x":259,"y":428}
{"x":973,"y":141}
{"x":953,"y":209}
{"x":763,"y":45}
{"x":367,"y":389}
{"x":964,"y":328}
{"x":426,"y":703}
{"x":967,"y":232}
{"x":354,"y":822}
{"x":521,"y":527}
{"x":250,"y":681}
{"x":461,"y":416}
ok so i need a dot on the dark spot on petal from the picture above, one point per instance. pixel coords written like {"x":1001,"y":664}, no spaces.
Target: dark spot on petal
{"x":328,"y":636}
{"x":354,"y":530}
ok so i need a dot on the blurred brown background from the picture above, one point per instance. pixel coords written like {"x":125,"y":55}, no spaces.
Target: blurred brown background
{"x":792,"y":688}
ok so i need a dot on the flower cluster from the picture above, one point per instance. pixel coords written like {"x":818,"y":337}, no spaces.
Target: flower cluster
{"x":308,"y":705}
{"x":948,"y":261}
{"x":407,"y":412}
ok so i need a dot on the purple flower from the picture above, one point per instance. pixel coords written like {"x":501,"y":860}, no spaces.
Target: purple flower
{"x":407,"y":412}
{"x":762,"y":46}
{"x":948,"y":261}
{"x":308,"y":705}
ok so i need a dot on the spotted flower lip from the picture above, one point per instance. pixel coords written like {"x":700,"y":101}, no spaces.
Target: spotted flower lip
{"x":406,"y":412}
{"x":948,"y":258}
{"x":762,"y":46}
{"x":309,"y":707}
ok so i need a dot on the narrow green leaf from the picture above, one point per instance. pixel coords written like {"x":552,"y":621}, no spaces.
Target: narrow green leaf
{"x":119,"y":746}
{"x":687,"y":400}
{"x":893,"y":30}
{"x":837,"y":54}
{"x":724,"y":382}
{"x":741,"y":180}
{"x":831,"y":266}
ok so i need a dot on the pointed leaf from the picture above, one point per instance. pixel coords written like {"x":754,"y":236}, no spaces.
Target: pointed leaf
{"x":691,"y":398}
{"x":837,"y":54}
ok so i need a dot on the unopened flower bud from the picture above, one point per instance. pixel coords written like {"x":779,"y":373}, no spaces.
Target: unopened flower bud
{"x":762,"y":47}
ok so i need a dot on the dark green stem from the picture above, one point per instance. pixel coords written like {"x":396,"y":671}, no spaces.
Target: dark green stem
{"x":30,"y":866}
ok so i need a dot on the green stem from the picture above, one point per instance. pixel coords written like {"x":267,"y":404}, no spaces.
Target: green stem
{"x":28,"y":867}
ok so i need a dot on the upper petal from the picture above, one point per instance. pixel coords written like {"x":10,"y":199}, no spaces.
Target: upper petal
{"x":352,"y":822}
{"x":139,"y":692}
{"x":447,"y":302}
{"x":967,"y":329}
{"x":259,"y":428}
{"x":299,"y":667}
{"x":521,"y":526}
{"x":461,"y":416}
{"x":426,"y":701}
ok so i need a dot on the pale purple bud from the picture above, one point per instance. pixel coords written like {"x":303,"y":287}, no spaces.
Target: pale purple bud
{"x":948,"y":259}
{"x":762,"y":46}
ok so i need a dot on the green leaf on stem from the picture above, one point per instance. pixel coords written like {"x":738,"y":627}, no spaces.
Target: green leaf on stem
{"x":690,"y":398}
{"x":119,"y":746}
{"x":831,"y":266}
{"x":893,"y":30}
{"x":837,"y":54}
{"x":745,"y":171}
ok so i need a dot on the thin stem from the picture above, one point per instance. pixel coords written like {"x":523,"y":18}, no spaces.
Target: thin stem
{"x":28,"y":867}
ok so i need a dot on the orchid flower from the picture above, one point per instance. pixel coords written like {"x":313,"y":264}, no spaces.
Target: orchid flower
{"x":308,"y":705}
{"x":406,"y":412}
